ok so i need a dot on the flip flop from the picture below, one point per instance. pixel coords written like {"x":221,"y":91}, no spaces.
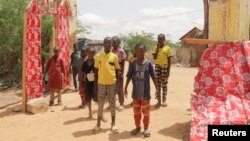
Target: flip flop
{"x":146,"y":133}
{"x":114,"y":129}
{"x":135,"y":131}
{"x":97,"y":129}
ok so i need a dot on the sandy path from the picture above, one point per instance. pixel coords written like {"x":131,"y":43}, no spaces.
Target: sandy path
{"x":68,"y":122}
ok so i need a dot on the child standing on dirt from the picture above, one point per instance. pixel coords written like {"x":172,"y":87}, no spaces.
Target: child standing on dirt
{"x":88,"y":78}
{"x":80,"y":78}
{"x":130,"y":60}
{"x":116,"y":41}
{"x":162,"y":57}
{"x":106,"y":73}
{"x":55,"y":67}
{"x":140,"y":71}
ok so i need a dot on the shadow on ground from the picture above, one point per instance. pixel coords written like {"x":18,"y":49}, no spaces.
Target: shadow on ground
{"x":178,"y":130}
{"x":89,"y":132}
{"x":122,"y":136}
{"x":82,"y":119}
{"x":8,"y":112}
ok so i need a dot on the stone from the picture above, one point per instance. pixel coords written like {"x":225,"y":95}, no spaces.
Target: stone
{"x":37,"y":105}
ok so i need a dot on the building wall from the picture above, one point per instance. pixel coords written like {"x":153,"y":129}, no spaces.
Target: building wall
{"x":191,"y":34}
{"x":189,"y":54}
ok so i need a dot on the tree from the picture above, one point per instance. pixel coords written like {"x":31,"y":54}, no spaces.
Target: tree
{"x":11,"y":37}
{"x":130,"y":40}
{"x":81,"y":29}
{"x":11,"y":41}
{"x":47,"y":24}
{"x":174,"y":45}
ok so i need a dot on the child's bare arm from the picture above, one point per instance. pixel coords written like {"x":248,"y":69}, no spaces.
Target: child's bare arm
{"x":96,"y":79}
{"x":169,"y":66}
{"x":129,"y":77}
{"x":126,"y":87}
{"x":154,"y":80}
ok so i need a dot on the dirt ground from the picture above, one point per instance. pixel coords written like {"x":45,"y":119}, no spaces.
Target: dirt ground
{"x":68,"y":122}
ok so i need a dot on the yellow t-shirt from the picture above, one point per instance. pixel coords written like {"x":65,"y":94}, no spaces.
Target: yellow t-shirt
{"x":106,"y":65}
{"x":163,"y":54}
{"x":131,"y":59}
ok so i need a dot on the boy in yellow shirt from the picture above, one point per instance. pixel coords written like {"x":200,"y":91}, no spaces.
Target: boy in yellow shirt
{"x":106,"y":73}
{"x":162,"y":59}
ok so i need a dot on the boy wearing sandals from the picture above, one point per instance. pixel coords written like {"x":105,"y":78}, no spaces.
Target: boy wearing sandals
{"x":162,"y":57}
{"x":140,"y":72}
{"x":56,"y":70}
{"x":106,"y":70}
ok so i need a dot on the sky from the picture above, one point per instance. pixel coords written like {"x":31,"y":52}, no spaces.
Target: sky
{"x":174,"y":18}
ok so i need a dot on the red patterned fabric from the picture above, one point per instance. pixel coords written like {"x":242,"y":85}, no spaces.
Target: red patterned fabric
{"x":33,"y":74}
{"x":222,"y":88}
{"x":62,"y":36}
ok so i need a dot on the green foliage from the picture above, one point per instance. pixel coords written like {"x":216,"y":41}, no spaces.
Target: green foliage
{"x":82,"y":29}
{"x":11,"y":37}
{"x":11,"y":40}
{"x":130,"y":40}
{"x":174,"y":45}
{"x":47,"y":36}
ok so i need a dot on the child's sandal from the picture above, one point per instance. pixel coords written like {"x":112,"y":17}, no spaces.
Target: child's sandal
{"x":114,"y":129}
{"x":135,"y":131}
{"x":146,"y":133}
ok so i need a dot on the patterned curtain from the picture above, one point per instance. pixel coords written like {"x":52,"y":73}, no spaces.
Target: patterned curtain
{"x":33,"y":64}
{"x":222,"y":88}
{"x":62,"y":36}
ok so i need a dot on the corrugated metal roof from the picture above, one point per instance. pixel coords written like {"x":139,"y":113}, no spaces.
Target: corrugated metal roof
{"x":94,"y":42}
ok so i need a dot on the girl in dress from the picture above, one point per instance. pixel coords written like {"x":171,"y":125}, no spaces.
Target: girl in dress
{"x":88,"y":77}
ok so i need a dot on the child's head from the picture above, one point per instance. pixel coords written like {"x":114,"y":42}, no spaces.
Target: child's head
{"x":56,"y":51}
{"x":116,"y":42}
{"x":140,"y":50}
{"x":83,"y":53}
{"x":107,"y":43}
{"x":161,"y":39}
{"x":90,"y":53}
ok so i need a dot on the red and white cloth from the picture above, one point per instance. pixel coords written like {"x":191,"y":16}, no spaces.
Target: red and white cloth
{"x":62,"y":37}
{"x":222,"y":88}
{"x":33,"y":64}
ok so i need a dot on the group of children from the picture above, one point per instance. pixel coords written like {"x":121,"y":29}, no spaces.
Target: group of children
{"x":101,"y":78}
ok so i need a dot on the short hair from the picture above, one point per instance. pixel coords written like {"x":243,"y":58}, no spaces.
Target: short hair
{"x":162,"y":35}
{"x":117,"y":38}
{"x":75,"y":44}
{"x":90,"y":48}
{"x":140,"y":45}
{"x":57,"y":48}
{"x":107,"y":38}
{"x":83,"y":49}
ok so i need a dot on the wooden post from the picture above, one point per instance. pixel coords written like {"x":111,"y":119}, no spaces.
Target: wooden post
{"x":72,"y":22}
{"x":72,"y":29}
{"x":229,"y":20}
{"x":202,"y":41}
{"x":24,"y":94}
